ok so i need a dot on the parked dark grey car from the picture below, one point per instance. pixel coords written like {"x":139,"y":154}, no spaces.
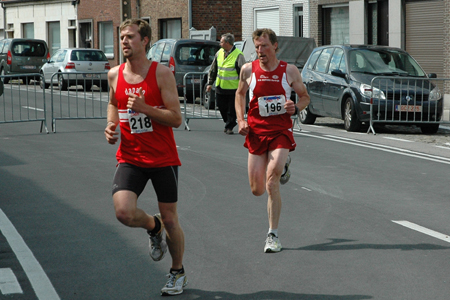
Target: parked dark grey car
{"x":183,"y":56}
{"x":339,"y":82}
{"x":22,"y":56}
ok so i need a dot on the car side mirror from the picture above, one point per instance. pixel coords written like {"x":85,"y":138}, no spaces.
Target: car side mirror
{"x":432,"y":75}
{"x":338,"y":73}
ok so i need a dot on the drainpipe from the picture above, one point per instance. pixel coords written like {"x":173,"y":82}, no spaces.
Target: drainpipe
{"x":4,"y":20}
{"x":138,"y":8}
{"x":190,"y":13}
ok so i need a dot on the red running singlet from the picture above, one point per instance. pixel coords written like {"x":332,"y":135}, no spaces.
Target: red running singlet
{"x":265,"y":83}
{"x":148,"y":149}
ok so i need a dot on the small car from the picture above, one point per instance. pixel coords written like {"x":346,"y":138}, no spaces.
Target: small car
{"x":339,"y":81}
{"x":22,"y":56}
{"x":83,"y":64}
{"x":183,"y":56}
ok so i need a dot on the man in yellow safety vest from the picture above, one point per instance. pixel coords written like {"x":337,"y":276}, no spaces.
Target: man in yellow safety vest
{"x":225,"y":71}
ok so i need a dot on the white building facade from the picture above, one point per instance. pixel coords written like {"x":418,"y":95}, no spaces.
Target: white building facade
{"x":286,"y":18}
{"x":52,"y":21}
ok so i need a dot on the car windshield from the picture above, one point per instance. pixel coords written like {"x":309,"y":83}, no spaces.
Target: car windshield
{"x":196,"y":54}
{"x":87,"y":55}
{"x":384,"y":62}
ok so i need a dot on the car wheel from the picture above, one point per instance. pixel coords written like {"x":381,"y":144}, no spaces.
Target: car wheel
{"x":306,"y":116}
{"x":42,"y":83}
{"x":62,"y":84}
{"x":351,"y":122}
{"x":429,"y":128}
{"x":87,"y":86}
{"x":5,"y":79}
{"x":189,"y":97}
{"x":209,"y":98}
{"x":104,"y":86}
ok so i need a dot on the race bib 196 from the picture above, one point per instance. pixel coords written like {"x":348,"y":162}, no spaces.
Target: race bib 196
{"x":271,"y":105}
{"x":139,"y":123}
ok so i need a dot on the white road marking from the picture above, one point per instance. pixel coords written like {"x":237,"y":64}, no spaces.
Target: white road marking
{"x":405,"y":152}
{"x":443,"y":147}
{"x":38,"y":279}
{"x":397,"y":139}
{"x":306,"y":189}
{"x":424,"y":230}
{"x":9,"y":283}
{"x":33,"y":108}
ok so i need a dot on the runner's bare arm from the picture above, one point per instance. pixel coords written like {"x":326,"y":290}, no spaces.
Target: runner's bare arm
{"x":112,"y":113}
{"x":240,"y":100}
{"x":170,"y":115}
{"x":295,"y":79}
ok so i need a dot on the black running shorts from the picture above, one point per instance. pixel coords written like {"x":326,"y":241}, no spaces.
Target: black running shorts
{"x":133,"y":178}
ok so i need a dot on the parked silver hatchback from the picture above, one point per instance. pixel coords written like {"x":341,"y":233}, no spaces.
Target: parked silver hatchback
{"x":87,"y":67}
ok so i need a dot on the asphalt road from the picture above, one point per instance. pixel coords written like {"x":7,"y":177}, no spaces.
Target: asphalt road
{"x":364,"y":217}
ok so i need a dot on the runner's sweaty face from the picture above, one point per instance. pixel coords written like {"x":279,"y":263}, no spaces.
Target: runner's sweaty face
{"x":131,"y":41}
{"x":264,"y":49}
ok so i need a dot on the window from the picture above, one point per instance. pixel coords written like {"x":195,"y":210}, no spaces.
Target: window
{"x":28,"y":30}
{"x":170,"y":28}
{"x":336,"y":25}
{"x":268,"y":18}
{"x":54,"y":36}
{"x":166,"y":53}
{"x":72,"y":33}
{"x":106,"y":38}
{"x":313,"y":59}
{"x":324,"y":57}
{"x":336,"y":60}
{"x":85,"y":34}
{"x":158,"y":52}
{"x":378,"y":23}
{"x":298,"y":21}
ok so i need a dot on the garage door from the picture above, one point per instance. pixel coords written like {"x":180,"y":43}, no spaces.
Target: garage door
{"x":268,"y":18}
{"x":425,"y":34}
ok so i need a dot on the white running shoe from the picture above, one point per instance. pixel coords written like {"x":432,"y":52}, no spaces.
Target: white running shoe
{"x":272,"y":244}
{"x":175,"y":284}
{"x":158,"y":246}
{"x":287,"y":173}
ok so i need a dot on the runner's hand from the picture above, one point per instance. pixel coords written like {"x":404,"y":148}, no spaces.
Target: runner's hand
{"x":110,"y":133}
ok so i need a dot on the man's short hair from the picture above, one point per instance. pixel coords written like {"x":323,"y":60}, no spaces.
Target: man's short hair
{"x":144,"y":29}
{"x":229,"y":38}
{"x":265,"y":31}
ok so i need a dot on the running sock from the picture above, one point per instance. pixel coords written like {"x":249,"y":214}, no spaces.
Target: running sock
{"x":273,"y":231}
{"x":175,"y":271}
{"x":157,"y":228}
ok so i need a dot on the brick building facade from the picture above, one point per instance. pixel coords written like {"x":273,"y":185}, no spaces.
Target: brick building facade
{"x":225,"y":16}
{"x":90,"y":12}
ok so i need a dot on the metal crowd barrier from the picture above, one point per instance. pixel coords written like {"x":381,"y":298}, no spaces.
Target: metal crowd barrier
{"x":22,"y":100}
{"x":407,"y":100}
{"x":193,"y":88}
{"x":73,"y":96}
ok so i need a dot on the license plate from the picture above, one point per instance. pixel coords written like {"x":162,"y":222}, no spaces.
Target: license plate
{"x":408,"y":108}
{"x":91,"y":75}
{"x":28,"y":67}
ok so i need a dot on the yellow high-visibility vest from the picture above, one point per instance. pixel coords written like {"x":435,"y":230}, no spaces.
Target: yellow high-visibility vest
{"x":227,"y":76}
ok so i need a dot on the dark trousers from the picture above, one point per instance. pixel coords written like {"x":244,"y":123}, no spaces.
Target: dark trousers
{"x":225,"y":103}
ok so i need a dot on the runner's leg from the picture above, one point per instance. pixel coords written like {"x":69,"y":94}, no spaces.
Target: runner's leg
{"x":277,"y":159}
{"x":257,"y":165}
{"x":174,"y":232}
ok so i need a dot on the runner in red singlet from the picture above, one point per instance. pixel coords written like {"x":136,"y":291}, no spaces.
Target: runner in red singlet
{"x":144,"y":101}
{"x":268,"y":128}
